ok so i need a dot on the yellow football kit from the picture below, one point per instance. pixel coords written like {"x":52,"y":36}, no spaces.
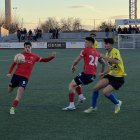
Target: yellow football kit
{"x":115,"y":70}
{"x":95,"y":46}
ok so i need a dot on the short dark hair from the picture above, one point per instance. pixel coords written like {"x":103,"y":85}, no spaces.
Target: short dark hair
{"x":93,"y":34}
{"x":90,"y":39}
{"x":27,"y":43}
{"x":109,"y":40}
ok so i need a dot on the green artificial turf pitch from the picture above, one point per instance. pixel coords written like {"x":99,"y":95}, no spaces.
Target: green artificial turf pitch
{"x":39,"y":116}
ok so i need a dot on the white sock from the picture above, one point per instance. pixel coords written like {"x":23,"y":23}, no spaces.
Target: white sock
{"x":81,"y":96}
{"x":72,"y":104}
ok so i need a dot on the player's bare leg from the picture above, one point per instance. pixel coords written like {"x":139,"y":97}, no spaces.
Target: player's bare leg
{"x":81,"y":97}
{"x":108,"y":90}
{"x":101,"y":84}
{"x":19,"y":93}
{"x":10,"y":89}
{"x":107,"y":93}
{"x":17,"y":99}
{"x":71,"y":106}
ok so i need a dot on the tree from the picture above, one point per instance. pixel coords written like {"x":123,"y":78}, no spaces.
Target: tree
{"x":70,"y":24}
{"x":12,"y":27}
{"x":105,"y":25}
{"x":49,"y":23}
{"x":2,"y":18}
{"x":77,"y":25}
{"x":65,"y":25}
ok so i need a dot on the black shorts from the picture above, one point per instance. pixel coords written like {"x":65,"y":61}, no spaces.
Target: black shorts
{"x":115,"y":82}
{"x":18,"y":81}
{"x":84,"y":79}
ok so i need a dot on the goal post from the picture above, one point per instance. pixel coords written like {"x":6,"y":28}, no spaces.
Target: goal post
{"x":128,"y":41}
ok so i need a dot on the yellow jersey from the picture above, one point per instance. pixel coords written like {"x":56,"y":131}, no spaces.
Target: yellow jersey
{"x":95,"y":46}
{"x":115,"y":70}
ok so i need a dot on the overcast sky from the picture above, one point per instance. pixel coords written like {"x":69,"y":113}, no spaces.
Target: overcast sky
{"x":86,"y":10}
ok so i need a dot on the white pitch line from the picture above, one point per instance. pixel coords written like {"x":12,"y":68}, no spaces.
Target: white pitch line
{"x":7,"y":60}
{"x":6,"y":56}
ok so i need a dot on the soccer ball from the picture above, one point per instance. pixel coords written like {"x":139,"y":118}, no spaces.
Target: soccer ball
{"x":19,"y":58}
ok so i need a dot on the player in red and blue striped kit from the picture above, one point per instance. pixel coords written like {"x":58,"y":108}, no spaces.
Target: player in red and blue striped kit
{"x":23,"y":71}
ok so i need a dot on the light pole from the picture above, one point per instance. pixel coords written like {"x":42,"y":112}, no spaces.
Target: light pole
{"x":15,"y":8}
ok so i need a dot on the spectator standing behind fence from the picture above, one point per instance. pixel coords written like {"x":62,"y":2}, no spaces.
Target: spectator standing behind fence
{"x":37,"y":33}
{"x":137,"y":30}
{"x":34,"y":35}
{"x":125,"y":30}
{"x":133,"y":30}
{"x":50,"y":32}
{"x":130,"y":30}
{"x":30,"y":32}
{"x":119,"y":30}
{"x":106,"y":32}
{"x":17,"y":32}
{"x":40,"y":33}
{"x":56,"y":33}
{"x":18,"y":35}
{"x":113,"y":32}
{"x":28,"y":37}
{"x":22,"y":33}
{"x":25,"y":33}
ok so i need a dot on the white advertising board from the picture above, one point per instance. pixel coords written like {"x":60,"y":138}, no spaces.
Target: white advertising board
{"x":127,"y":22}
{"x":72,"y":45}
{"x":21,"y":45}
{"x":77,"y":45}
{"x":39,"y":45}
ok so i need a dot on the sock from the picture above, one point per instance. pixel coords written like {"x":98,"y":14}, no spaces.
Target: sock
{"x":71,"y":99}
{"x":15,"y":103}
{"x":113,"y":98}
{"x":94,"y":98}
{"x":79,"y":91}
{"x":72,"y":104}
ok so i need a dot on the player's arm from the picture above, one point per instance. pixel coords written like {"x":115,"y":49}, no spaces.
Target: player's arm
{"x":11,"y":69}
{"x":75,"y":63}
{"x":48,"y":59}
{"x":102,"y":62}
{"x":101,"y":75}
{"x":112,"y":60}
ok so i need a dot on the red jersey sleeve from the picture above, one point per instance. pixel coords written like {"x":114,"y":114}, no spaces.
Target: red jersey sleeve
{"x":12,"y":67}
{"x":83,"y":52}
{"x":38,"y":59}
{"x":46,"y":59}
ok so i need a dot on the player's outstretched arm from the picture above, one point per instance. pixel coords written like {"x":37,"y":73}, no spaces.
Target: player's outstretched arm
{"x":112,"y":60}
{"x":101,"y":60}
{"x":49,"y":58}
{"x":53,"y":54}
{"x":75,"y":63}
{"x":11,"y":69}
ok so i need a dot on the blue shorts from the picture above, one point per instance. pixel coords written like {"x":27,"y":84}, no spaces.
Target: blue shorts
{"x":84,"y":79}
{"x":18,"y":81}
